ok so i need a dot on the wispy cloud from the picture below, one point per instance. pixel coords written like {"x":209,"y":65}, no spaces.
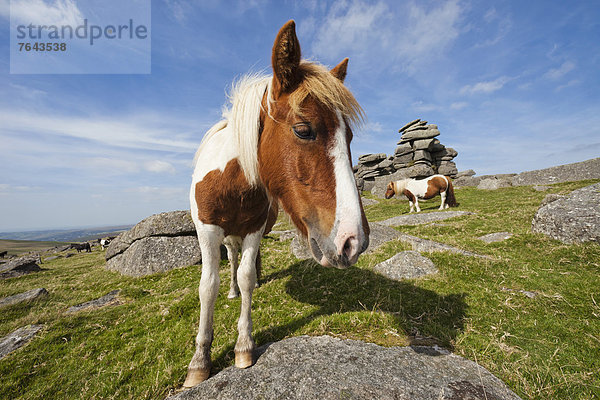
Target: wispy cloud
{"x":134,"y":132}
{"x":39,"y":12}
{"x":407,"y":37}
{"x":557,"y":73}
{"x":485,"y":87}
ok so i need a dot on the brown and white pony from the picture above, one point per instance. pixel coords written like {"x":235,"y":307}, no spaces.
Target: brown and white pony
{"x":423,"y":189}
{"x":285,"y":139}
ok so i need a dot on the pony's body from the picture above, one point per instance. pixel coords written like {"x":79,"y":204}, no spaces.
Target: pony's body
{"x":285,"y":140}
{"x":415,"y":189}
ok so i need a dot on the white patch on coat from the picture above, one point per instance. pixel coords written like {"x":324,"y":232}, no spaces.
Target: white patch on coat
{"x":348,"y":216}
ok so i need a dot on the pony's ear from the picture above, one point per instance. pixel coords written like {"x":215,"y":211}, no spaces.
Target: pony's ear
{"x":339,"y":71}
{"x":285,"y":58}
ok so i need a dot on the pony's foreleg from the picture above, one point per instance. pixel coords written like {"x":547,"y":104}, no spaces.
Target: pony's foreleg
{"x":417,"y":204}
{"x":210,"y":241}
{"x":443,"y":196}
{"x":233,"y":249}
{"x":412,"y":206}
{"x":244,"y":348}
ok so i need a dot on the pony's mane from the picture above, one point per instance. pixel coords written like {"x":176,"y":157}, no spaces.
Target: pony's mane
{"x":242,"y":114}
{"x":318,"y":82}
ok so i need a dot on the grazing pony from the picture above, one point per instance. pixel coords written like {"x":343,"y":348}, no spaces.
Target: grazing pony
{"x":425,"y":189}
{"x":286,"y":140}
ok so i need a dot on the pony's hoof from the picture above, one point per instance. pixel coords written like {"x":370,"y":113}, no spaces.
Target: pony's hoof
{"x":232,"y":295}
{"x":244,"y":359}
{"x":195,"y":376}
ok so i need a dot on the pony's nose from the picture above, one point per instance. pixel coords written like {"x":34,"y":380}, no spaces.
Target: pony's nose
{"x":348,"y":249}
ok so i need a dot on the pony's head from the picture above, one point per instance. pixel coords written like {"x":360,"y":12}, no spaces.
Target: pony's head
{"x":390,"y":191}
{"x":395,"y":187}
{"x":304,"y":152}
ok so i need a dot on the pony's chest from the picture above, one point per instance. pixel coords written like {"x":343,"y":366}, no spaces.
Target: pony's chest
{"x":224,"y":198}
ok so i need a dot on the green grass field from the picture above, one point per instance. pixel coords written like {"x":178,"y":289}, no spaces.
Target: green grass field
{"x":545,"y":347}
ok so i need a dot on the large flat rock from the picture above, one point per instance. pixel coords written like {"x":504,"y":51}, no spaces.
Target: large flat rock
{"x":18,"y":298}
{"x":20,"y":266}
{"x":571,"y":219}
{"x":170,"y":224}
{"x":329,"y":368}
{"x":423,"y":218}
{"x":151,"y":255}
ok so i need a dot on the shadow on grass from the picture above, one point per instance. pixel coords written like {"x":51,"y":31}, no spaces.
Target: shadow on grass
{"x":425,"y":316}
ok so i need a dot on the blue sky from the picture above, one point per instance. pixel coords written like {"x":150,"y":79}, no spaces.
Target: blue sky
{"x":512,"y":85}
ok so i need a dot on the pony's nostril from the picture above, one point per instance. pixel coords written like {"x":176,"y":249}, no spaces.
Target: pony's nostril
{"x":350,"y":247}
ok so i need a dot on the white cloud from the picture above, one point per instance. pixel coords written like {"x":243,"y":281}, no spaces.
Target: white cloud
{"x":485,"y":87}
{"x":459,"y":105}
{"x":347,"y":26}
{"x":159,"y":167}
{"x":406,"y":37}
{"x":133,"y":132}
{"x":557,"y":73}
{"x":39,"y":12}
{"x":571,"y":83}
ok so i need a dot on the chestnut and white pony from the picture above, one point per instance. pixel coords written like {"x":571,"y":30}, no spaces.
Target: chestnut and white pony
{"x":285,"y":139}
{"x":423,"y":189}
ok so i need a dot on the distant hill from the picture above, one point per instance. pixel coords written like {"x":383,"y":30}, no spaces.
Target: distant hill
{"x":66,"y":235}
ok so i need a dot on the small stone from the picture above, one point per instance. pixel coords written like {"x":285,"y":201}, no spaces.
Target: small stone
{"x":406,"y":265}
{"x":541,"y":188}
{"x":495,"y":237}
{"x":109,"y":299}
{"x":18,"y":339}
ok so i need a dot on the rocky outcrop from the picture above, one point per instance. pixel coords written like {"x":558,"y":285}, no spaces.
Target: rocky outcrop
{"x":18,"y":339}
{"x":571,"y":219}
{"x":419,"y":154}
{"x":329,"y":368}
{"x":20,"y":266}
{"x":18,"y":298}
{"x":589,"y":169}
{"x":157,"y":244}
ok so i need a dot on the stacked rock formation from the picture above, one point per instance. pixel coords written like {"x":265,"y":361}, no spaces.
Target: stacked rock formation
{"x":419,"y":154}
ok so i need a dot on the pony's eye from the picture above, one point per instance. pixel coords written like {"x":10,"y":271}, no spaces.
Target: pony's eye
{"x":304,"y":131}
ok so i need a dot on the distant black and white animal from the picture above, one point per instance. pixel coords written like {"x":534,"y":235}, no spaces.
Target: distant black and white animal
{"x":3,"y":254}
{"x":104,"y":243}
{"x":82,"y":246}
{"x":426,"y":188}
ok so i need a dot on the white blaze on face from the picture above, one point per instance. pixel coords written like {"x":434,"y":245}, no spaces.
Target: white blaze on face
{"x":347,"y":234}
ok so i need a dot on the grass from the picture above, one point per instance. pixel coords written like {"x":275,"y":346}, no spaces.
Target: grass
{"x":546,"y":347}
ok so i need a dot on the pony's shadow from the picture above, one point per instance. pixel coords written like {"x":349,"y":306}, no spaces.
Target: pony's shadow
{"x":425,"y":316}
